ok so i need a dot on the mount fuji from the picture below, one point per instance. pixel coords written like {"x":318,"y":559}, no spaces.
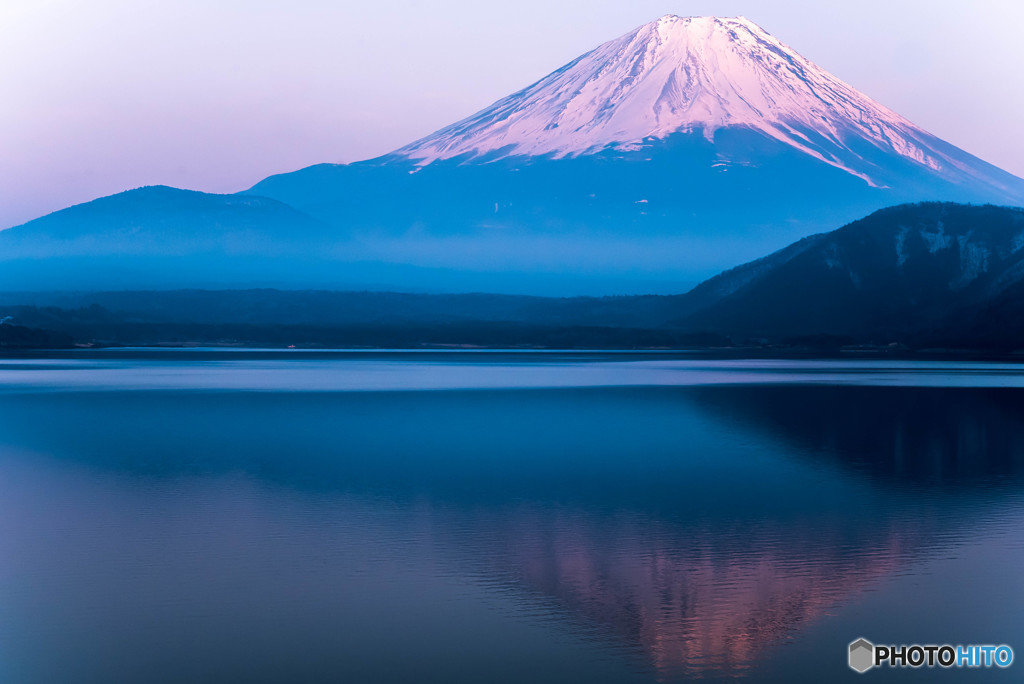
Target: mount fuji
{"x":697,"y":74}
{"x":685,"y":147}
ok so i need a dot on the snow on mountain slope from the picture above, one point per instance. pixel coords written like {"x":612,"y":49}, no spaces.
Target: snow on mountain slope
{"x":690,"y":74}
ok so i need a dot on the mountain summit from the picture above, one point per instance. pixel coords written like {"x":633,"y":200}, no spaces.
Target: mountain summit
{"x":684,"y":75}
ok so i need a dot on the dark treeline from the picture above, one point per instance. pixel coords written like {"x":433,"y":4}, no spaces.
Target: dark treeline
{"x":96,"y":325}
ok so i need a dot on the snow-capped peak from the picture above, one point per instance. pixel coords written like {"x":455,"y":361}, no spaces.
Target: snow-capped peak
{"x":683,"y":74}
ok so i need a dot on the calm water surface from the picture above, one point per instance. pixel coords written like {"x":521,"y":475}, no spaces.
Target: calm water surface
{"x":486,"y":517}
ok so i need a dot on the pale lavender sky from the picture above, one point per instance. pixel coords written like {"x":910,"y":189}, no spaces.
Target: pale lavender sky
{"x":101,"y":96}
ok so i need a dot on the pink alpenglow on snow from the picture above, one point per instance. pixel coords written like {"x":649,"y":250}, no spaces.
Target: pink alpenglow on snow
{"x":684,"y":74}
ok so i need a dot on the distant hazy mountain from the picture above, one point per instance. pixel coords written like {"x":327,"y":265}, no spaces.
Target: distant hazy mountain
{"x":168,"y":221}
{"x":160,"y":237}
{"x":656,"y":160}
{"x":934,"y":273}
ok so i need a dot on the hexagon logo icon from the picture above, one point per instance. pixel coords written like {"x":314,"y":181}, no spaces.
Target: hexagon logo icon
{"x":862,"y":655}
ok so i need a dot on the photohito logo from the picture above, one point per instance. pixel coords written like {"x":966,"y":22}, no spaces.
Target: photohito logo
{"x":864,"y":655}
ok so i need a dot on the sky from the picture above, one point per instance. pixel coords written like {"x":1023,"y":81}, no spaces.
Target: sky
{"x":100,"y":96}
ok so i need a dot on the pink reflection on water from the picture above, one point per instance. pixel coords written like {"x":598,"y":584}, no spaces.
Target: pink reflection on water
{"x":711,"y":602}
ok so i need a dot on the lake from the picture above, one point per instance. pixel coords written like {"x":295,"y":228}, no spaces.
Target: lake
{"x":263,"y":516}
